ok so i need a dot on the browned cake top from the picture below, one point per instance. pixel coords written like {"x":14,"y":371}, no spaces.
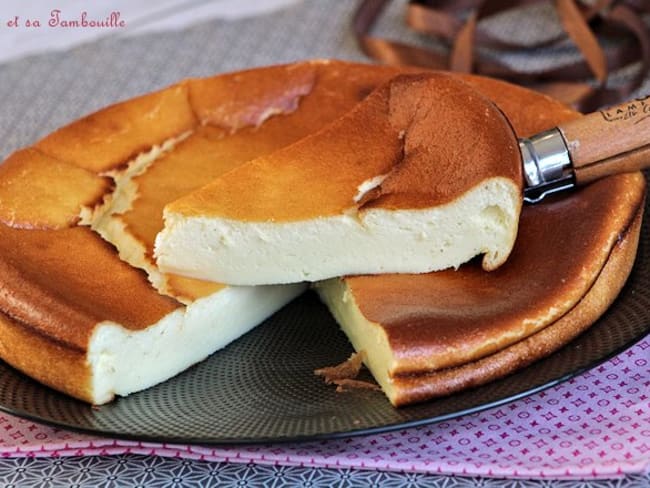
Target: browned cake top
{"x":434,"y":136}
{"x":63,"y":282}
{"x":303,"y":99}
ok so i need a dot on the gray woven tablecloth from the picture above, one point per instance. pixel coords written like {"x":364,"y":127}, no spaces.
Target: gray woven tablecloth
{"x":40,"y":93}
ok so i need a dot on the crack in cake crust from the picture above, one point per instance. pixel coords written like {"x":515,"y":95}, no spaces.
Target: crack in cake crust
{"x":105,"y":218}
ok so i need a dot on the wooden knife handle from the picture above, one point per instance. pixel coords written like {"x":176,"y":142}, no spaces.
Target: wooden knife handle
{"x":616,"y":140}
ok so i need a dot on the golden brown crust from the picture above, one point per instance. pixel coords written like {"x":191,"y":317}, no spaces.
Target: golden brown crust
{"x":112,"y":136}
{"x":318,"y":187}
{"x":248,"y":98}
{"x":610,"y":280}
{"x":40,"y":192}
{"x":403,"y":129}
{"x":453,"y":139}
{"x":64,"y":282}
{"x":52,"y":363}
{"x":188,"y":289}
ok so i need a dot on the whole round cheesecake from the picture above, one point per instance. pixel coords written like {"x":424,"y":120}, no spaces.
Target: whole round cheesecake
{"x":85,"y":308}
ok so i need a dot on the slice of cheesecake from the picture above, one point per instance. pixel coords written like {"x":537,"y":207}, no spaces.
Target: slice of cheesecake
{"x":260,"y":111}
{"x":422,"y":175}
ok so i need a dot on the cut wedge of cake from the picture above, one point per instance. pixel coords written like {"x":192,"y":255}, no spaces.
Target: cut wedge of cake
{"x":421,"y":176}
{"x":248,"y":122}
{"x":77,"y":317}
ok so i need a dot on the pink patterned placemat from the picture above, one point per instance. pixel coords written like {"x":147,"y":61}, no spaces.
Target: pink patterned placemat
{"x":596,"y":425}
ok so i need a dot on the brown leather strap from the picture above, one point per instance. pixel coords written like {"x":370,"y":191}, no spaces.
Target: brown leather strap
{"x":458,"y":25}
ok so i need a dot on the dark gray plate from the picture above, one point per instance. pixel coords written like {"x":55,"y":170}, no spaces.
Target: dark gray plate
{"x":262,"y":388}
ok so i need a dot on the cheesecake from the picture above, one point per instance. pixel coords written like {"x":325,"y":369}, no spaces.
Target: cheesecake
{"x":85,"y":309}
{"x":421,"y":176}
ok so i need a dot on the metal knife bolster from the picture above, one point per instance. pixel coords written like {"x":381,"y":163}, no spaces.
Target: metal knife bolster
{"x":547,"y":165}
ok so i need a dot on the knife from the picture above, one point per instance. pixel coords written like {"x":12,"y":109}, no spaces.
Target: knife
{"x":610,"y":141}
